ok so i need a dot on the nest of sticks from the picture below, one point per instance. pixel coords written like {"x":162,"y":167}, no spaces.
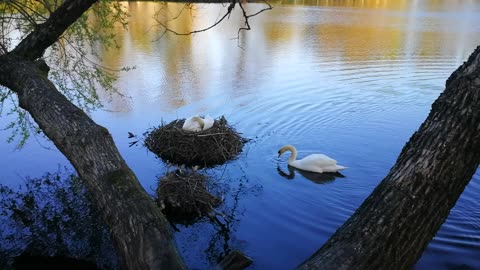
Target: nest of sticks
{"x":183,"y":196}
{"x":206,"y":148}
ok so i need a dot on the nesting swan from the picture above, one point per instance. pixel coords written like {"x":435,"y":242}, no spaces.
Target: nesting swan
{"x":196,"y":123}
{"x":313,"y":163}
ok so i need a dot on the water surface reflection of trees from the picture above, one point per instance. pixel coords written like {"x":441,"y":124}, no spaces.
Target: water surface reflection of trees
{"x":53,"y":216}
{"x":174,"y":71}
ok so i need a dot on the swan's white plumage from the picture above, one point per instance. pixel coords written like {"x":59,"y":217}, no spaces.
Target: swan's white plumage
{"x":313,"y":163}
{"x":193,"y":123}
{"x":196,"y":123}
{"x":208,"y":122}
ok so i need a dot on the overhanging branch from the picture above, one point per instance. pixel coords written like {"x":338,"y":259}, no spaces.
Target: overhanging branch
{"x":246,"y":16}
{"x":227,"y":14}
{"x":45,"y":34}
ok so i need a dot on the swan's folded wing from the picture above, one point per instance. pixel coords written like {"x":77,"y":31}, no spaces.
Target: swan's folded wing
{"x":209,"y":121}
{"x":191,"y":125}
{"x":320,"y":160}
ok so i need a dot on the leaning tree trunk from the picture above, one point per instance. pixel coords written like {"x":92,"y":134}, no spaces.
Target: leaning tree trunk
{"x":393,"y":226}
{"x":140,"y":232}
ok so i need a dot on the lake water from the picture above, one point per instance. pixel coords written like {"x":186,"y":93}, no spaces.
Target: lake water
{"x":350,"y":79}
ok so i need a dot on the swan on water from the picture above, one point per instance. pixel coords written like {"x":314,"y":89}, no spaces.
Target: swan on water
{"x":313,"y":163}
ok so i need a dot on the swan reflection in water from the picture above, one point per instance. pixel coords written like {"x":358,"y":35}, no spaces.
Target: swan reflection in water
{"x":317,"y":178}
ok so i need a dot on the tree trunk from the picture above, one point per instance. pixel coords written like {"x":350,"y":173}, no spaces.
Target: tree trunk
{"x":393,"y":226}
{"x":140,"y":232}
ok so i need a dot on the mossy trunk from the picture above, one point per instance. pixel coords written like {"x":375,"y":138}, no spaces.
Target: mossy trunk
{"x":393,"y":226}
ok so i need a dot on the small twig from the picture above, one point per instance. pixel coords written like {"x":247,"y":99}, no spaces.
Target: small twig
{"x":246,"y":16}
{"x":229,"y":10}
{"x":205,"y":135}
{"x":218,"y":213}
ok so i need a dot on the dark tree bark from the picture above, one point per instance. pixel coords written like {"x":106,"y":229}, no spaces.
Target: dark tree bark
{"x":393,"y":226}
{"x":141,"y":233}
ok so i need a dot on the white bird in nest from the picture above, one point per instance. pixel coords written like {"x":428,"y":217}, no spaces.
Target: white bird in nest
{"x":318,"y":163}
{"x":197,"y":123}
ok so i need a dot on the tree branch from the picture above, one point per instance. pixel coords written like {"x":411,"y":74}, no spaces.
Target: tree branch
{"x":45,"y":34}
{"x":230,"y":8}
{"x":3,"y":49}
{"x":229,"y":11}
{"x":246,"y":16}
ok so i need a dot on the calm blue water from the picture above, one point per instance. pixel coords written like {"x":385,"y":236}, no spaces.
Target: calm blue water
{"x":352,"y":81}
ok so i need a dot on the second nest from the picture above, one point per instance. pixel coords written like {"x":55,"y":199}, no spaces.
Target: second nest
{"x":206,"y":148}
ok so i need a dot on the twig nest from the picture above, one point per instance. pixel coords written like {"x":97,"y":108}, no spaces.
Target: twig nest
{"x":183,"y":196}
{"x":235,"y":260}
{"x":205,"y":148}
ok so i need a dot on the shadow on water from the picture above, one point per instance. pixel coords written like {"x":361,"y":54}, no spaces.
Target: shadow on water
{"x":224,"y":225}
{"x":50,"y":221}
{"x":27,"y":261}
{"x":317,"y":178}
{"x":214,"y":234}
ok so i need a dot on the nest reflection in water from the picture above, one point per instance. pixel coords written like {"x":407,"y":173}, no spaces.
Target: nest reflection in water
{"x":183,"y":196}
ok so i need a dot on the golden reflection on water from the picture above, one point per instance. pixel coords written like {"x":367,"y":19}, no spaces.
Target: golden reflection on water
{"x":173,"y":71}
{"x":381,"y":4}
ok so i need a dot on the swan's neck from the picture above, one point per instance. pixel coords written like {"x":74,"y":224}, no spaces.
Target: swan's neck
{"x":293,"y":156}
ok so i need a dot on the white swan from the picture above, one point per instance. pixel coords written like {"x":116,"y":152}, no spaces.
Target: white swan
{"x":208,"y":122}
{"x":313,"y":163}
{"x":196,"y":123}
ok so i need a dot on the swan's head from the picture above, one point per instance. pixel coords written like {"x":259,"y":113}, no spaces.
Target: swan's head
{"x":200,"y":121}
{"x":284,"y":149}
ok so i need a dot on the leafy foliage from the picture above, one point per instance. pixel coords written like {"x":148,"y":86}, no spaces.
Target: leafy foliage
{"x":74,"y":60}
